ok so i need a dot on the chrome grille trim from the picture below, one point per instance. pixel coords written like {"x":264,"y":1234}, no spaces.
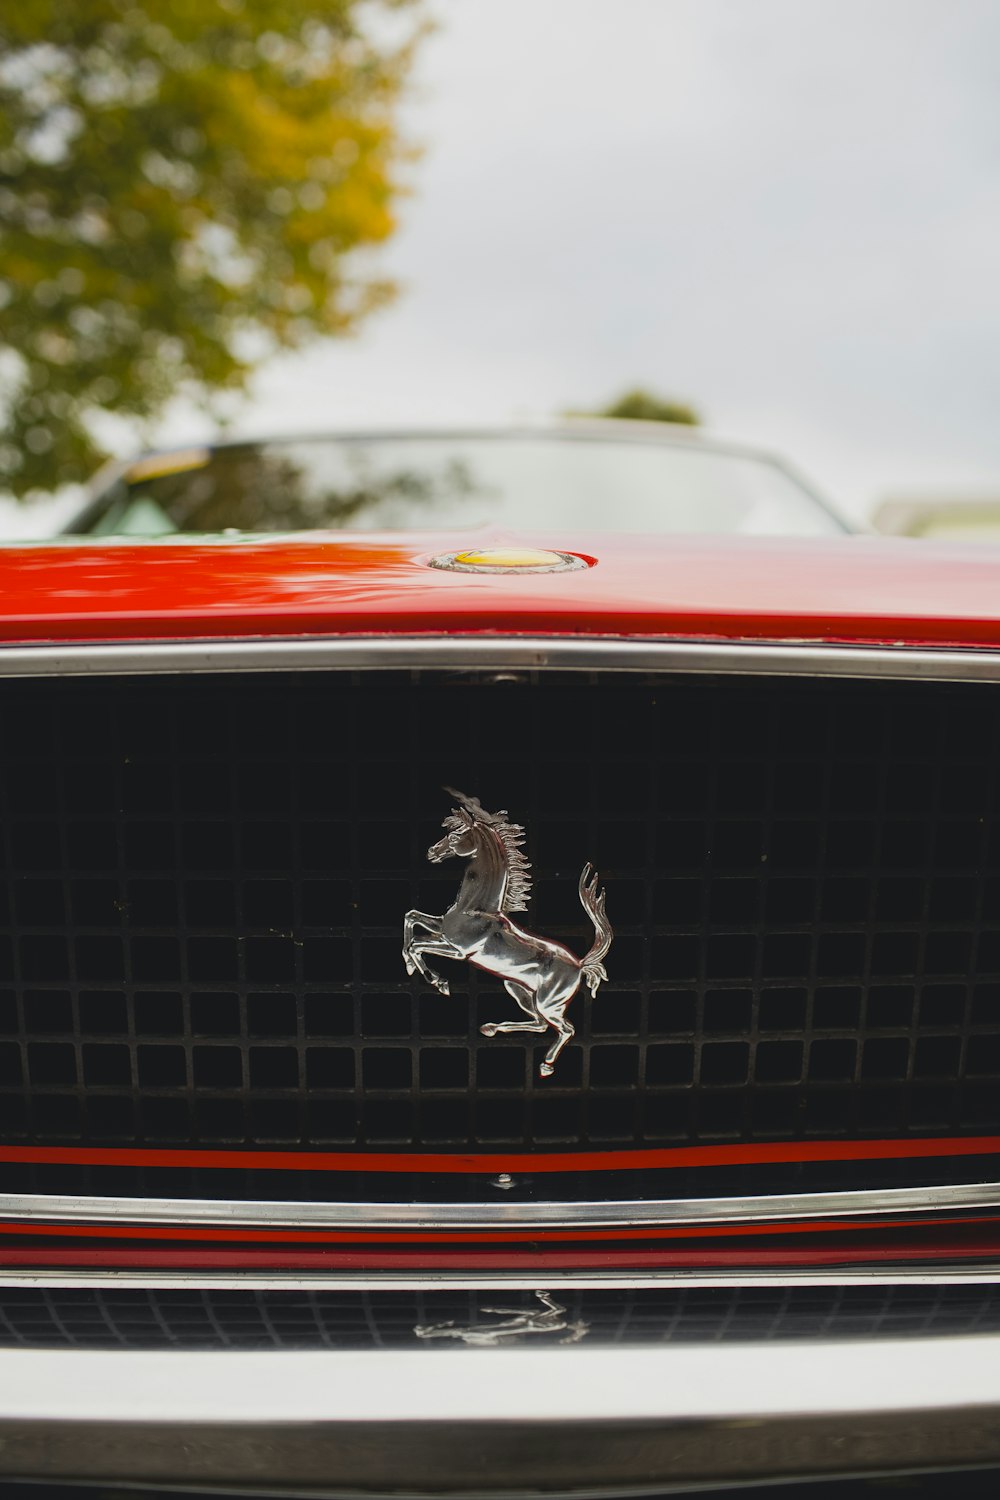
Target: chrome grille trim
{"x":897,"y":1274}
{"x":610,"y":1214}
{"x":466,"y":653}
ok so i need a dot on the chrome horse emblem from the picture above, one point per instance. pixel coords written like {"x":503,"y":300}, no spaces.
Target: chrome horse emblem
{"x":541,"y":975}
{"x":518,"y":1321}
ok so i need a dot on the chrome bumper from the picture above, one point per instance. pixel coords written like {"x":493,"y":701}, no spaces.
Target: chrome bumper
{"x":493,"y":1421}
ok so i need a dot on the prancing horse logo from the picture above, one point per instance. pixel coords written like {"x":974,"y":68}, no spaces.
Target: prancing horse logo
{"x":542,"y":976}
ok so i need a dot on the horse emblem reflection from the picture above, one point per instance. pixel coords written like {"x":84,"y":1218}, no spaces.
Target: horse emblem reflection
{"x":550,"y":1317}
{"x":540,"y":975}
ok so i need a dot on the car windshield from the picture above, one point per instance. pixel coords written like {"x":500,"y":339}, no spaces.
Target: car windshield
{"x":446,"y":483}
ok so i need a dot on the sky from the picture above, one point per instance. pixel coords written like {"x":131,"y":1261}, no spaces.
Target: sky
{"x":784,"y":211}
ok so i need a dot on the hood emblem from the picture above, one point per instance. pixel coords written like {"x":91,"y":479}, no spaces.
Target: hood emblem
{"x":549,"y":1317}
{"x":507,"y":560}
{"x":541,"y":975}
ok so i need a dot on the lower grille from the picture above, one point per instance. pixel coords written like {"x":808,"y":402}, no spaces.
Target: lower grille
{"x":92,"y":1318}
{"x":205,"y":880}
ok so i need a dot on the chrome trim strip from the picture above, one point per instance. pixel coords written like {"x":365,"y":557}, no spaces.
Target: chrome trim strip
{"x":753,"y":1379}
{"x":499,"y":1421}
{"x":903,"y":1273}
{"x":607,"y":1214}
{"x":490,"y":652}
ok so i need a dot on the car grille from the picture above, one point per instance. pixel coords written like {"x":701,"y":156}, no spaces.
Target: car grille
{"x":193,"y":1318}
{"x":205,"y":879}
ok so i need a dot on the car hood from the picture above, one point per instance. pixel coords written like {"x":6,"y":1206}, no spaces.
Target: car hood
{"x":857,"y":589}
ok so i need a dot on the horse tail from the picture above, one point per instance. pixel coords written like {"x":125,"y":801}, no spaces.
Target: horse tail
{"x":592,"y":902}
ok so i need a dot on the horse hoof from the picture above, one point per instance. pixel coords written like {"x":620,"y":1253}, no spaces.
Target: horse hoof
{"x":488,"y":1028}
{"x":545,"y":1070}
{"x":442,"y":987}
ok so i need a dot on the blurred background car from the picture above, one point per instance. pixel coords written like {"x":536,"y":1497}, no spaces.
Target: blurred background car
{"x":974,"y":518}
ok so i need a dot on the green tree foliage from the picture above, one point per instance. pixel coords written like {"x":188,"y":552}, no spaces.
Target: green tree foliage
{"x":643,"y":406}
{"x":185,"y":186}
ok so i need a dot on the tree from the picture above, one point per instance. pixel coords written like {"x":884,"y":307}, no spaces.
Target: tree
{"x":185,"y":187}
{"x":643,"y":406}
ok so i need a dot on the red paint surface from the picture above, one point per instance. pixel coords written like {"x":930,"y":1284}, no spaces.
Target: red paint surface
{"x":866,"y":589}
{"x":251,"y":1235}
{"x":731,"y":1258}
{"x":738,"y":1155}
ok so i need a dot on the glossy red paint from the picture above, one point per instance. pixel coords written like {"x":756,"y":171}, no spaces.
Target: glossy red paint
{"x":856,"y":589}
{"x":250,"y":1235}
{"x":951,"y":1247}
{"x":740,"y":1154}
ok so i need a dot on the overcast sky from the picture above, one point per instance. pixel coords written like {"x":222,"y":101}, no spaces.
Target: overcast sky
{"x":786,"y":211}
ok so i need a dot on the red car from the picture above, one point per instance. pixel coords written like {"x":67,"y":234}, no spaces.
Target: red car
{"x":328,"y":1059}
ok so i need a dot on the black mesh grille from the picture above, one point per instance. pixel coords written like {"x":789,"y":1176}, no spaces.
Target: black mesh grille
{"x":205,"y":881}
{"x":91,"y":1318}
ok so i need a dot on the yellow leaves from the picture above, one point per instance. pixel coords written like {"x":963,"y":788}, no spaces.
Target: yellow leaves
{"x":228,"y":160}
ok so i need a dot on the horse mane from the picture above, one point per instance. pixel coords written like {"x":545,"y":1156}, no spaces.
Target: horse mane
{"x":511,"y":835}
{"x":517,"y":893}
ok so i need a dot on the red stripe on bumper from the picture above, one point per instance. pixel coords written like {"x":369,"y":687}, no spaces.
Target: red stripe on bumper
{"x":739,"y":1155}
{"x":523,"y":1260}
